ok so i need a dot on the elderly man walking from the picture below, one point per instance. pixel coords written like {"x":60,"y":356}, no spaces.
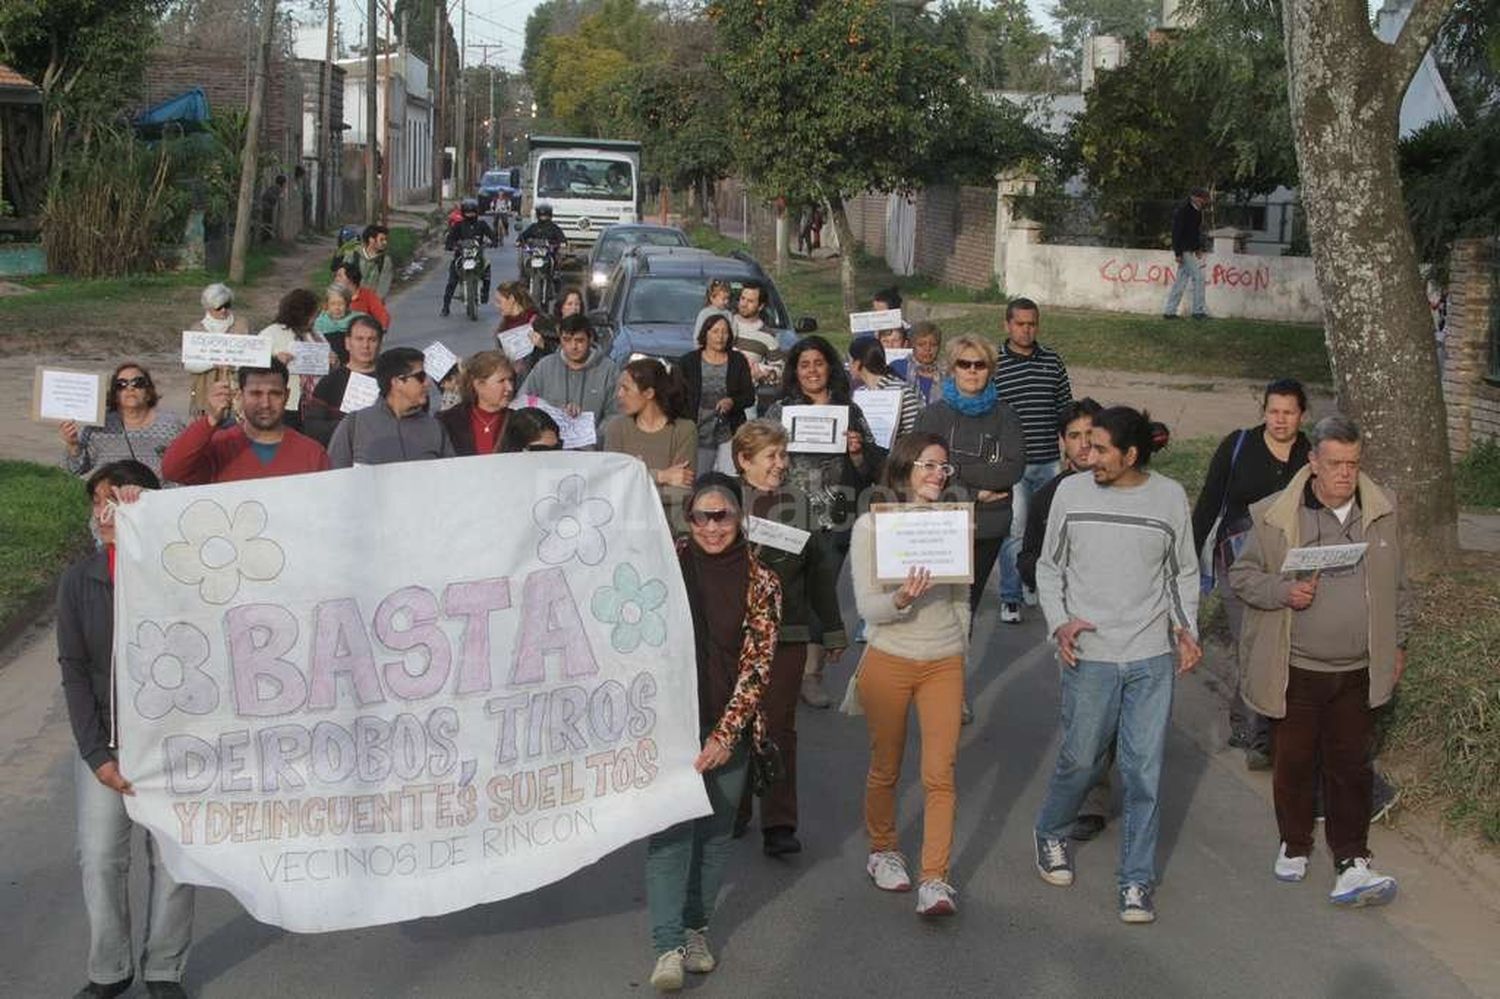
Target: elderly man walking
{"x":1321,"y":650}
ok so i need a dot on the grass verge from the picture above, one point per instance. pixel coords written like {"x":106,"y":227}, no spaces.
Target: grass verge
{"x":1477,"y":476}
{"x":41,"y":530}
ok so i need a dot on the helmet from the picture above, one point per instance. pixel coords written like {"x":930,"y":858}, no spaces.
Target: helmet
{"x":469,"y":207}
{"x":544,"y":212}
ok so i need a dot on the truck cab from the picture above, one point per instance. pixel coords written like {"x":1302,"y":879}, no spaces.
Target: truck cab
{"x":590,"y":184}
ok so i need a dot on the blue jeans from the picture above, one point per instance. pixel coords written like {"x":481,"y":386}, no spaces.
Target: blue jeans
{"x":1100,"y":699}
{"x":685,"y":864}
{"x":104,"y":831}
{"x":1031,"y":482}
{"x":1189,"y":268}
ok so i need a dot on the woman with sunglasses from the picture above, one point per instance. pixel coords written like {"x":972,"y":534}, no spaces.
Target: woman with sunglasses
{"x":736,"y":607}
{"x":918,"y":634}
{"x":218,"y":317}
{"x":134,"y":429}
{"x":984,"y":441}
{"x":832,"y":483}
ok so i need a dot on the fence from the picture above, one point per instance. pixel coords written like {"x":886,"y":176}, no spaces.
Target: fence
{"x":1273,"y":225}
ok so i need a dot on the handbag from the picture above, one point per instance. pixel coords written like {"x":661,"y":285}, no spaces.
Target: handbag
{"x":851,"y":705}
{"x":766,"y":766}
{"x":1206,"y":555}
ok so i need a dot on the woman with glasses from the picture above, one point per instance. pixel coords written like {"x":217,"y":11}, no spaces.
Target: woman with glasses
{"x":736,"y":607}
{"x":134,"y":429}
{"x":218,"y":317}
{"x":918,"y":634}
{"x":984,"y":442}
{"x":477,"y":424}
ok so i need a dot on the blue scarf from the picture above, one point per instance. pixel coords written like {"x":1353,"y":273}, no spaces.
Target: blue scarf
{"x":969,"y":405}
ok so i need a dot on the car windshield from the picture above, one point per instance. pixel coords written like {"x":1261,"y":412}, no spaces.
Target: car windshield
{"x":612,"y":246}
{"x":494,"y":179}
{"x":584,"y":177}
{"x":678,"y":300}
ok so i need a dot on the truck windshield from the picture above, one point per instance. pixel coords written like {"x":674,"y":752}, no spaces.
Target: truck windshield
{"x":585,"y":177}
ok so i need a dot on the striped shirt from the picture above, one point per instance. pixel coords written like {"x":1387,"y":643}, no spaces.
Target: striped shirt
{"x":1036,"y":386}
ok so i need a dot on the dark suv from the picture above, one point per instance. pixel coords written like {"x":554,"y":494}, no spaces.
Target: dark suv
{"x":656,"y":293}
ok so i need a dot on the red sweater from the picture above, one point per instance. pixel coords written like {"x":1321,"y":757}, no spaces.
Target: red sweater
{"x":202,"y":454}
{"x":369,"y":303}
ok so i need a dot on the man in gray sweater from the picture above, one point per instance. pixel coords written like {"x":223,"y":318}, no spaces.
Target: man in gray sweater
{"x":397,"y":427}
{"x":1118,"y":582}
{"x":579,"y":378}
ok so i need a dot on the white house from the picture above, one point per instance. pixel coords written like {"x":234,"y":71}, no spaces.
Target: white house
{"x":403,"y":109}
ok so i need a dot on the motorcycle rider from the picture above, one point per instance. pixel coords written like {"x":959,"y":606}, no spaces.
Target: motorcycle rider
{"x":469,"y":226}
{"x":544,"y":230}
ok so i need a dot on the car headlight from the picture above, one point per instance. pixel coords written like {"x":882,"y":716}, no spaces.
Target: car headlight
{"x":600,"y":279}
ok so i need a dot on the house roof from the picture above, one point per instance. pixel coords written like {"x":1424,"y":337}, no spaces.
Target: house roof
{"x":10,"y":78}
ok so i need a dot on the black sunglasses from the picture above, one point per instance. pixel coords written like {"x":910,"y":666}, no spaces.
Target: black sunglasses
{"x":702,"y":517}
{"x":543,"y":447}
{"x":138,"y":382}
{"x":968,"y":364}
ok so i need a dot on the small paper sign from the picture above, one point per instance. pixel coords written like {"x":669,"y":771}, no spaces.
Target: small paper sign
{"x":575,"y":433}
{"x":360,"y":393}
{"x":438,"y":360}
{"x":816,"y":429}
{"x":58,"y":394}
{"x":782,"y":537}
{"x":309,"y":357}
{"x":517,"y":342}
{"x":938,"y":537}
{"x":882,"y":409}
{"x":874,"y":322}
{"x":235,"y":350}
{"x":1324,"y":557}
{"x":894,"y":354}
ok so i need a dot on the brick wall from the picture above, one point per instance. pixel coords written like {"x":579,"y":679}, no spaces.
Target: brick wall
{"x":225,"y":80}
{"x":956,"y":235}
{"x":1473,"y":400}
{"x":867,"y":220}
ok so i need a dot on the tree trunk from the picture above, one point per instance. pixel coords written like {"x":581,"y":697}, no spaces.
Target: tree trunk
{"x":251,"y":153}
{"x":1346,"y":88}
{"x":848,"y":279}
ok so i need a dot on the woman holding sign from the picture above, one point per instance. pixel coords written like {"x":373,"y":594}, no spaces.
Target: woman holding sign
{"x":477,"y":425}
{"x":918,"y":634}
{"x":134,"y":429}
{"x":736,"y":607}
{"x":218,"y":317}
{"x":295,"y":315}
{"x":832,"y":479}
{"x":871,"y":374}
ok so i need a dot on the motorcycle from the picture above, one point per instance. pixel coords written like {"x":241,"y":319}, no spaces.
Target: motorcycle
{"x":539,"y":264}
{"x":471,"y":274}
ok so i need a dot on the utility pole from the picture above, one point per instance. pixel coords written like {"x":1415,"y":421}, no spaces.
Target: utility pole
{"x":494,"y":124}
{"x":250,"y":155}
{"x":388,"y":162}
{"x":439,"y":48}
{"x":372,"y":39}
{"x":461,"y":167}
{"x":326,"y":178}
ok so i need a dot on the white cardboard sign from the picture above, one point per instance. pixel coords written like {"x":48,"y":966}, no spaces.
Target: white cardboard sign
{"x":59,"y":394}
{"x":235,"y":350}
{"x":816,"y":429}
{"x":361,"y":393}
{"x":874,"y":322}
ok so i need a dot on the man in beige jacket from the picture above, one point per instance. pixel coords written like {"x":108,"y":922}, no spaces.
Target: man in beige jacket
{"x":1321,"y":650}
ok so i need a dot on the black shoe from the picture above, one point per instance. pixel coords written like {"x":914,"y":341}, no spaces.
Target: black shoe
{"x":445,"y":309}
{"x":1383,"y":798}
{"x":1200,"y":316}
{"x":1257,"y":759}
{"x":166,"y":990}
{"x":1171,"y":316}
{"x":94,"y":990}
{"x":780,"y":841}
{"x":1086,"y":827}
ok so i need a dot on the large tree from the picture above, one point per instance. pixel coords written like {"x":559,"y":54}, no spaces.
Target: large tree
{"x":1078,"y":20}
{"x":1345,"y":88}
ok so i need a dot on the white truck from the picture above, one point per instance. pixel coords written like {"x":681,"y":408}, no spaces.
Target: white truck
{"x":590,"y":183}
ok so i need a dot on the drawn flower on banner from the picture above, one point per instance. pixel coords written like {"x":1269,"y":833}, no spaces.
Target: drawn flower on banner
{"x":570,"y":524}
{"x":167,"y":667}
{"x":217,"y":550}
{"x":631,"y":606}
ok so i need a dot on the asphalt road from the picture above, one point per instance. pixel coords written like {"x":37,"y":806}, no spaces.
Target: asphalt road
{"x":415,"y":321}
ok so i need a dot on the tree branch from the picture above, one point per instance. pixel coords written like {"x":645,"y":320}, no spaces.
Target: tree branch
{"x":1416,"y":38}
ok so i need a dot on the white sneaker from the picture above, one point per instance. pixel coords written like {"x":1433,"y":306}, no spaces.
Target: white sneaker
{"x":887,"y":869}
{"x":667,"y":975}
{"x":696,"y":957}
{"x":1028,"y":596}
{"x":1010,"y":613}
{"x":1360,"y":884}
{"x":1290,"y":868}
{"x":936,"y":898}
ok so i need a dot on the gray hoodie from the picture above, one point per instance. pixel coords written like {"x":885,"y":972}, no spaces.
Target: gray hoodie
{"x":376,"y":436}
{"x":591,"y":389}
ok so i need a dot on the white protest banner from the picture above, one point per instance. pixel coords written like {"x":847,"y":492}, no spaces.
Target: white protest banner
{"x":345,"y":727}
{"x":58,"y":394}
{"x":874,"y":322}
{"x":938,"y":537}
{"x":360,"y":393}
{"x":882,"y":409}
{"x":235,"y":350}
{"x":309,"y":357}
{"x":575,"y":433}
{"x":774,"y":534}
{"x":1324,"y":557}
{"x":517,"y":342}
{"x":816,"y":429}
{"x":438,"y":360}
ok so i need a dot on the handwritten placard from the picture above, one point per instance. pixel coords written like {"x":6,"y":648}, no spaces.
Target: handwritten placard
{"x":782,"y":537}
{"x":816,"y":429}
{"x":309,"y":357}
{"x":938,"y":537}
{"x":882,"y":409}
{"x":1324,"y":557}
{"x":575,"y":433}
{"x":874,"y":322}
{"x":438,"y":360}
{"x":59,"y":394}
{"x":516,"y":343}
{"x":235,"y":350}
{"x":360,"y":393}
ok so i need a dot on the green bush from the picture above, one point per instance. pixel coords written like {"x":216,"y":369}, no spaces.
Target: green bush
{"x":43,"y":524}
{"x":1477,"y":476}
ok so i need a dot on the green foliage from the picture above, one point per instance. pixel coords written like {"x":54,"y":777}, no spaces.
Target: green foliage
{"x":681,"y":109}
{"x":43,"y":524}
{"x":580,"y":77}
{"x":1477,"y":476}
{"x":1002,"y":45}
{"x":1451,"y":187}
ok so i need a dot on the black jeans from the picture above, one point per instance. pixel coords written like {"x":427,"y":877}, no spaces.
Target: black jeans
{"x":986,"y":553}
